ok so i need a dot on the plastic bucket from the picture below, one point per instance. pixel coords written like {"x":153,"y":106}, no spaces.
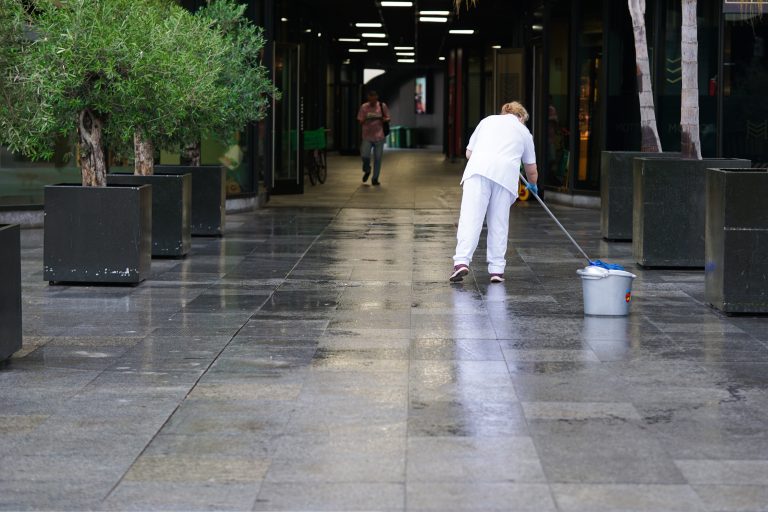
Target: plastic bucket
{"x":606,"y":292}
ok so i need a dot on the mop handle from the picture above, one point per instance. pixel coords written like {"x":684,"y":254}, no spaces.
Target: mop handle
{"x":557,"y":222}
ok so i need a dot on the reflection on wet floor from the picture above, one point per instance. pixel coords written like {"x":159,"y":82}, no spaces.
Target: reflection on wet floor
{"x":317,"y":359}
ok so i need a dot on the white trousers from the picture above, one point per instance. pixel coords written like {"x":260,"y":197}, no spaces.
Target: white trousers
{"x":484,"y":199}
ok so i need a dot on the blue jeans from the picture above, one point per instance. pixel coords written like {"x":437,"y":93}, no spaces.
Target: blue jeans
{"x":365,"y":152}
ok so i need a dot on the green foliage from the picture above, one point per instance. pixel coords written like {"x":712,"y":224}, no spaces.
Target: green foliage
{"x":175,"y":85}
{"x":145,"y":64}
{"x":244,"y":81}
{"x":15,"y":38}
{"x":136,"y":64}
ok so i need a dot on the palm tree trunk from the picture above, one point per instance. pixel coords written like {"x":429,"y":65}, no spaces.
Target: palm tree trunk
{"x":93,"y":166}
{"x":690,"y":145}
{"x":144,"y":154}
{"x":650,"y":141}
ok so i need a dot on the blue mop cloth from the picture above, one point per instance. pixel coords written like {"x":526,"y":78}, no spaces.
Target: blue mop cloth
{"x":607,"y":266}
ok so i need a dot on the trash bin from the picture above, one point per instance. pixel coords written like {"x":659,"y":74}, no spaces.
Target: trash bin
{"x":407,"y":139}
{"x":395,"y":137}
{"x":606,"y":292}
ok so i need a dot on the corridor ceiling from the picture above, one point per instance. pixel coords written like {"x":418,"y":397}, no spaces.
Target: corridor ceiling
{"x":431,"y":40}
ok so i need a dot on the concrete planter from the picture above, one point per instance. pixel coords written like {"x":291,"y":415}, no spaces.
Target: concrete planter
{"x":669,"y":210}
{"x":209,"y":197}
{"x":616,"y":183}
{"x":737,"y":240}
{"x":10,"y":290}
{"x":171,"y":210}
{"x":97,"y":234}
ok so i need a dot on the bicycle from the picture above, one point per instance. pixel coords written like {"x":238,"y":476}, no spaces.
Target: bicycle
{"x":315,"y":155}
{"x":316,"y":166}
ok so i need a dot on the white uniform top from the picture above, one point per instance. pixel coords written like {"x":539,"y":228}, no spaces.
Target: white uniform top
{"x":498,"y":145}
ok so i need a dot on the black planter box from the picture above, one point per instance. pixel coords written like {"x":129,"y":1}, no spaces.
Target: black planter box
{"x":209,"y":196}
{"x":616,"y":183}
{"x":736,"y":272}
{"x":97,"y":234}
{"x":669,"y":210}
{"x":171,"y":207}
{"x":10,"y":290}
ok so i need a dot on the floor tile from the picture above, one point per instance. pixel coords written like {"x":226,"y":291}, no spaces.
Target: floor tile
{"x":360,"y":496}
{"x":469,"y":459}
{"x":629,"y":498}
{"x":727,"y":472}
{"x":474,"y":496}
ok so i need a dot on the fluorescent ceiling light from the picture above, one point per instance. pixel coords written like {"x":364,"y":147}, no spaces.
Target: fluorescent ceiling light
{"x":308,"y":30}
{"x":496,"y":47}
{"x":406,"y":61}
{"x":387,"y":3}
{"x":374,"y":34}
{"x":368,"y":25}
{"x":283,"y":19}
{"x":358,"y":50}
{"x":405,"y":54}
{"x":403,"y":47}
{"x":441,"y":58}
{"x":434,"y":13}
{"x":461,"y":31}
{"x":376,"y":43}
{"x":349,"y":39}
{"x":538,"y":27}
{"x":432,"y":19}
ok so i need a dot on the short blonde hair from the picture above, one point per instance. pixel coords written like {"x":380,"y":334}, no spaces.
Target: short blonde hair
{"x":516,"y":108}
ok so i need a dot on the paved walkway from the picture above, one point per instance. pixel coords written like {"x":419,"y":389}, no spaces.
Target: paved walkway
{"x":316,"y":359}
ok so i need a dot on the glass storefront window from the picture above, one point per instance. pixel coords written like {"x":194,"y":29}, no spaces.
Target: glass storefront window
{"x":669,"y":82}
{"x":558,"y":156}
{"x":590,"y":124}
{"x":622,"y":131}
{"x":474,"y":92}
{"x":22,"y":181}
{"x":745,"y":82}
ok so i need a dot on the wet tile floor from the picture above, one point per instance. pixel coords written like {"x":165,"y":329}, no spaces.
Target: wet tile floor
{"x":316,"y":359}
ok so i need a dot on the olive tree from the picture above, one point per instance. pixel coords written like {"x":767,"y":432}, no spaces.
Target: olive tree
{"x":245,"y":89}
{"x":103,"y":71}
{"x":175,"y":86}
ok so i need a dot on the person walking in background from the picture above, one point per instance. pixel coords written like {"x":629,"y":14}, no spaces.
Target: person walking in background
{"x":372,"y":116}
{"x":497,"y":147}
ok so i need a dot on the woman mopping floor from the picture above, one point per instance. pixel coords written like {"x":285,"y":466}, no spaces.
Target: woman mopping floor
{"x":495,"y":150}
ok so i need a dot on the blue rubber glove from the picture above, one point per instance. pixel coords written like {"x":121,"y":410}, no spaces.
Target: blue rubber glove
{"x":533,"y":188}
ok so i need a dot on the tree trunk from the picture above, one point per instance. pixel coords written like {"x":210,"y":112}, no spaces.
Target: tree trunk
{"x":93,"y":166}
{"x":190,"y":155}
{"x":690,"y":145}
{"x":144,"y":154}
{"x":650,"y":134}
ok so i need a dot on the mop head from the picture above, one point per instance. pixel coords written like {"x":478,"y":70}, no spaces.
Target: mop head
{"x":606,"y":266}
